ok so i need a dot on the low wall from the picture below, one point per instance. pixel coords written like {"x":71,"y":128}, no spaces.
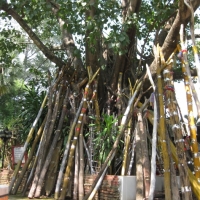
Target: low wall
{"x":3,"y":192}
{"x":112,"y":187}
{"x":109,"y":189}
{"x":6,"y":176}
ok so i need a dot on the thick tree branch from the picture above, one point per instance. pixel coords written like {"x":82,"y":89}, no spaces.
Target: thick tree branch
{"x":122,"y":61}
{"x":48,"y":53}
{"x":68,"y":42}
{"x":172,"y":38}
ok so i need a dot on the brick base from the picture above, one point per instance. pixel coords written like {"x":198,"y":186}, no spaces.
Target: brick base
{"x":4,"y":197}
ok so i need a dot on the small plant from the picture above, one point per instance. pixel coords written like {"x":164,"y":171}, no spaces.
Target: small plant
{"x":103,"y":140}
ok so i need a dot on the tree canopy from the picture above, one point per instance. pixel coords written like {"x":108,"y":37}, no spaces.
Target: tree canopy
{"x":90,"y":58}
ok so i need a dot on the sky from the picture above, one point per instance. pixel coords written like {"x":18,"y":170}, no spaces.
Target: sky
{"x":181,"y":97}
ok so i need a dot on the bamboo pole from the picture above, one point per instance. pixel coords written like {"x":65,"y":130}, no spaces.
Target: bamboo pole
{"x":73,"y":145}
{"x":125,"y":155}
{"x":139,"y":171}
{"x":153,"y":157}
{"x":144,"y":155}
{"x":163,"y":139}
{"x":30,"y":157}
{"x":193,"y":180}
{"x":132,"y":153}
{"x":154,"y":138}
{"x":76,"y":173}
{"x":30,"y":177}
{"x":26,"y":144}
{"x":51,"y":175}
{"x":186,"y":69}
{"x":66,"y":152}
{"x":177,"y":131}
{"x":52,"y":147}
{"x":124,"y":120}
{"x":48,"y":130}
{"x":81,"y":166}
{"x":72,"y":150}
{"x":88,"y":156}
{"x":173,"y":180}
{"x":127,"y":143}
{"x":193,"y":132}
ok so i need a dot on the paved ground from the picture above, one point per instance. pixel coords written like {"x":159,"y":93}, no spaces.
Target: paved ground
{"x":13,"y":197}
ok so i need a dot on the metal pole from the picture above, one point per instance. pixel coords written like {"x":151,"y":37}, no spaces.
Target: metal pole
{"x":4,"y":144}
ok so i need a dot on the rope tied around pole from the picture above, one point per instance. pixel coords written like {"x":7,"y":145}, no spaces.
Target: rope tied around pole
{"x":168,"y":88}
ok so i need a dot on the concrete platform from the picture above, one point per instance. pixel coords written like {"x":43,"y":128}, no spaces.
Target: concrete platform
{"x":4,"y":192}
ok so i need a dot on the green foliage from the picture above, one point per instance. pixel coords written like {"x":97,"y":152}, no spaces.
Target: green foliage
{"x":11,"y":44}
{"x":10,"y":108}
{"x":29,"y":108}
{"x":152,"y":17}
{"x":105,"y":139}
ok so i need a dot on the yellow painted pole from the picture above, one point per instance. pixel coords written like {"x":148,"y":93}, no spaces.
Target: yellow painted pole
{"x":163,"y":139}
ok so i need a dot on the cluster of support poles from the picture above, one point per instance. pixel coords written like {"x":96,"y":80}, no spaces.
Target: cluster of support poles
{"x":46,"y":169}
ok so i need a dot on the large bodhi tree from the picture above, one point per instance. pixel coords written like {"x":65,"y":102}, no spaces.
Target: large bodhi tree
{"x":98,"y":51}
